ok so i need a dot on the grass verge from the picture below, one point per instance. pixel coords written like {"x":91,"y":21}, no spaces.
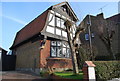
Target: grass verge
{"x":69,"y":75}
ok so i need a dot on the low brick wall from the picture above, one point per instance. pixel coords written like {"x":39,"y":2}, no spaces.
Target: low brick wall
{"x":59,"y":62}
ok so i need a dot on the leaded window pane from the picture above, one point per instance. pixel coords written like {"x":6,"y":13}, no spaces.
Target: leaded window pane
{"x":64,"y":51}
{"x":59,"y":43}
{"x":64,"y":44}
{"x":68,"y":52}
{"x":67,"y":45}
{"x":59,"y":51}
{"x":53,"y":43}
{"x":53,"y":51}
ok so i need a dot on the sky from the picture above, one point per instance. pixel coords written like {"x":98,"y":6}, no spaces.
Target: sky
{"x":15,"y":15}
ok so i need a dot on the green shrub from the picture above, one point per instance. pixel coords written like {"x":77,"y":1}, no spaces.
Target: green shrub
{"x":107,"y":69}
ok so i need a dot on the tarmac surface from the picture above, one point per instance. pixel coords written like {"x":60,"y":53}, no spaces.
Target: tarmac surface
{"x":19,"y":76}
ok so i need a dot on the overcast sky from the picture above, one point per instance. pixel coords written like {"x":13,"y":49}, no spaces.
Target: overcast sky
{"x":15,"y":15}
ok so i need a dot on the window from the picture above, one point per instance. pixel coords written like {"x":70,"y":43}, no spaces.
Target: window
{"x":60,"y":22}
{"x":86,"y":36}
{"x":60,"y":49}
{"x":53,"y":51}
{"x":92,"y":35}
{"x":59,"y":25}
{"x":52,"y":20}
{"x":63,"y":9}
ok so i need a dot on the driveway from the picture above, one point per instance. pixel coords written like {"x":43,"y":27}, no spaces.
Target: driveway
{"x":19,"y":76}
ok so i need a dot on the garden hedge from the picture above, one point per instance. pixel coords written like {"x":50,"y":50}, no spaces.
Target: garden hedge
{"x":106,"y":70}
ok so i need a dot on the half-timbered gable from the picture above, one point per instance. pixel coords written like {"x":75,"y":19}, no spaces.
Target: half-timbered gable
{"x":55,"y":23}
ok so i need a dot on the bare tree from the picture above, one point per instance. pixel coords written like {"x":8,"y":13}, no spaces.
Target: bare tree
{"x":106,"y":32}
{"x":85,"y":55}
{"x":73,"y":44}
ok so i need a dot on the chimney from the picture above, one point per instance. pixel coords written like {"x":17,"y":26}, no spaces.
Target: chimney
{"x":100,"y":16}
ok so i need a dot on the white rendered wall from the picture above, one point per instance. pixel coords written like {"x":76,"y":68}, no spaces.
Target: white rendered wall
{"x":50,"y":29}
{"x":91,"y":73}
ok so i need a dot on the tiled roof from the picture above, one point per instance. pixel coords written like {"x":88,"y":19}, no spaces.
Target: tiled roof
{"x":31,"y":29}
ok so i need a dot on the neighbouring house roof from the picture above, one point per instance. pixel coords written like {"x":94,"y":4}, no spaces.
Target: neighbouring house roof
{"x":35,"y":26}
{"x":115,"y":18}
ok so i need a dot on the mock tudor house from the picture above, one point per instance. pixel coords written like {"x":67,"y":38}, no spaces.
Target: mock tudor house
{"x":43,"y":42}
{"x":90,"y":36}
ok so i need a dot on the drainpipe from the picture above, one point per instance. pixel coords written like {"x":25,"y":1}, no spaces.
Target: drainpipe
{"x":39,"y":53}
{"x":90,"y":40}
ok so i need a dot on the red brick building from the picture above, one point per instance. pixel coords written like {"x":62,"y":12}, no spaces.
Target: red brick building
{"x":100,"y":48}
{"x":43,"y":42}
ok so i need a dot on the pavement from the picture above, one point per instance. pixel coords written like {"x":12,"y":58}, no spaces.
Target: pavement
{"x":115,"y":79}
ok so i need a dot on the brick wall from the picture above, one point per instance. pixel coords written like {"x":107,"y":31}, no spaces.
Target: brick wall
{"x":47,"y":61}
{"x":96,"y":41}
{"x":28,"y":55}
{"x":59,"y":62}
{"x":44,"y":54}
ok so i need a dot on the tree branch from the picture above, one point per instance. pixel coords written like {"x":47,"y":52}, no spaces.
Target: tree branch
{"x":77,"y":33}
